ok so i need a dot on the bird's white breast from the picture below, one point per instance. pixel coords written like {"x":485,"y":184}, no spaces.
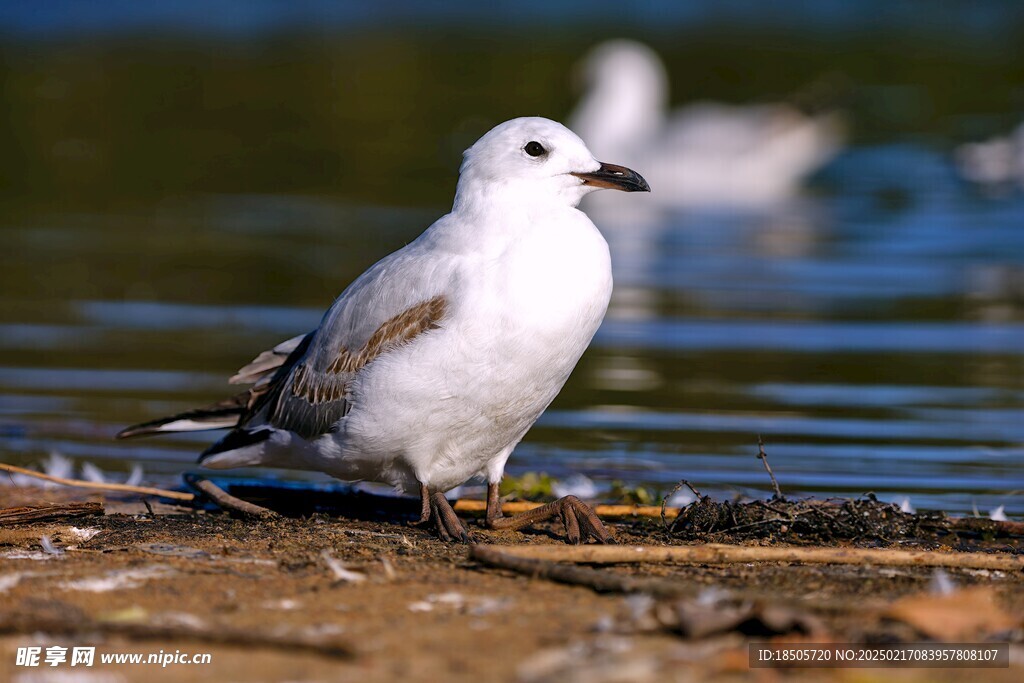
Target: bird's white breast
{"x":461,"y":396}
{"x":550,"y":289}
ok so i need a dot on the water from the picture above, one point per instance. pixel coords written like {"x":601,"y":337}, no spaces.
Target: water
{"x":871,"y":330}
{"x":874,"y":349}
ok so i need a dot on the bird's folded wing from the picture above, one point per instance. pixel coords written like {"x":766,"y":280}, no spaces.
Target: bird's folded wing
{"x":388,"y":306}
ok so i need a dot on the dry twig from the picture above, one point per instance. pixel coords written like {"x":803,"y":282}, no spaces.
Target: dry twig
{"x":511,"y":508}
{"x":598,"y":580}
{"x":225,"y":499}
{"x":80,"y":483}
{"x":714,"y":553}
{"x":44,"y":513}
{"x":664,"y":502}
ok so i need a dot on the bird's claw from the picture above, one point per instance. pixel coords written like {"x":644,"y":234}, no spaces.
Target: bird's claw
{"x":446,"y":523}
{"x":579,"y":519}
{"x":581,"y":522}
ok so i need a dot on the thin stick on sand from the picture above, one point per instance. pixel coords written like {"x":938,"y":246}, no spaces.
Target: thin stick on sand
{"x":208,"y":488}
{"x":555,"y":563}
{"x":225,"y":500}
{"x":514,"y":507}
{"x":79,"y":483}
{"x":714,"y":553}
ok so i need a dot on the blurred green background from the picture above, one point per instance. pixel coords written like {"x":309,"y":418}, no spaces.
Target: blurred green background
{"x":329,"y":101}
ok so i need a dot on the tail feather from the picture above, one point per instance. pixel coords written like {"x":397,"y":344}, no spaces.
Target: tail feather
{"x":262,"y":372}
{"x":221,"y":415}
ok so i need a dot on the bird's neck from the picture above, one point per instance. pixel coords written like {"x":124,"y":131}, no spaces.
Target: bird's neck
{"x":500,"y":200}
{"x":492,"y":219}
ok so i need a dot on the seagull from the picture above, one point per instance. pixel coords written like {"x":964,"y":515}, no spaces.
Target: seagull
{"x":997,"y":163}
{"x":706,"y":154}
{"x":432,"y":365}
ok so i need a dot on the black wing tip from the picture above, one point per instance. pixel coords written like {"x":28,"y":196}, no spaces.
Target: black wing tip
{"x":143,"y":429}
{"x":231,"y":407}
{"x":133,"y":431}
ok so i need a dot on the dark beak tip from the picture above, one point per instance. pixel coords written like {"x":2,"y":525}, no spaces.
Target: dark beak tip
{"x":613,"y":176}
{"x":634,"y":181}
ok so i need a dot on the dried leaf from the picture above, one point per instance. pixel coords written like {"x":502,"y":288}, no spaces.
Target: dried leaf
{"x":959,"y":616}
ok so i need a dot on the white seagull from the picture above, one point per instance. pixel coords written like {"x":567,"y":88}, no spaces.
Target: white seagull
{"x":997,"y":163}
{"x":703,"y":155}
{"x":433,"y":364}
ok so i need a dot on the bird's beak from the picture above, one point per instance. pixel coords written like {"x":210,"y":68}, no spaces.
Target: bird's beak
{"x":615,"y":178}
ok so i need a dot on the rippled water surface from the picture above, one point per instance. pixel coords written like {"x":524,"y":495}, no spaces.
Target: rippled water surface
{"x":874,"y":348}
{"x":180,"y":211}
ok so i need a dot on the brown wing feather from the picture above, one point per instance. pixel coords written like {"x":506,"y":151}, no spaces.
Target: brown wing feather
{"x":394,"y":332}
{"x":310,"y":402}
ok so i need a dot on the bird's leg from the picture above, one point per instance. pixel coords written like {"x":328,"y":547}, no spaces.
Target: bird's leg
{"x":493,"y":505}
{"x":579,"y":519}
{"x":434,"y":507}
{"x":424,"y":505}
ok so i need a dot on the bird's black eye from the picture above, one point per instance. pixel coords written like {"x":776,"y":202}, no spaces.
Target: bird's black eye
{"x":535,"y":149}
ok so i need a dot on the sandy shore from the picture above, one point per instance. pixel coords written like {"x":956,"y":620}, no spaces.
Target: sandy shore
{"x":329,"y":598}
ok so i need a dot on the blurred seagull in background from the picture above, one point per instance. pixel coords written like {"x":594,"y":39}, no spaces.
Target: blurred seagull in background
{"x":997,"y":163}
{"x":705,"y":154}
{"x":433,"y":364}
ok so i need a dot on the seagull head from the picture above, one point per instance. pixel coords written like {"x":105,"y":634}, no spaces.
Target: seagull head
{"x":626,"y":67}
{"x":625,"y":97}
{"x":534,"y":160}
